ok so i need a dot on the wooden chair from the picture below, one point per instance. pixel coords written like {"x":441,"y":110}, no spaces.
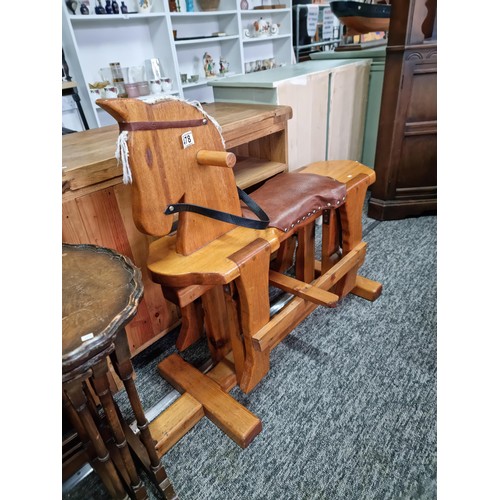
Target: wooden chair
{"x":218,"y":272}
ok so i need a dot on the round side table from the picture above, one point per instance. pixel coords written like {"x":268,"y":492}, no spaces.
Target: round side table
{"x":101,"y":291}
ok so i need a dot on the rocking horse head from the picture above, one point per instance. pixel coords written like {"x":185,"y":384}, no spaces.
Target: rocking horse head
{"x":173,"y":152}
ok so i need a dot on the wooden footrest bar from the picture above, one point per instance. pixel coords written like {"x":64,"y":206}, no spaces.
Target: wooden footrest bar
{"x":292,"y":314}
{"x":303,"y":290}
{"x":230,"y":416}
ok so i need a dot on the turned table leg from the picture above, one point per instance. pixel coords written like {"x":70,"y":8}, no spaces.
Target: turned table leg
{"x":124,"y":368}
{"x":76,"y":396}
{"x":100,"y":383}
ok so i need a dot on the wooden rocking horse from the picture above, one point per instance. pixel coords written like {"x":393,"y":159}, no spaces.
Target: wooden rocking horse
{"x":219,"y":260}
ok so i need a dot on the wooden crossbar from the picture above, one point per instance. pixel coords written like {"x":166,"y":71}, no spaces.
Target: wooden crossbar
{"x":303,"y":290}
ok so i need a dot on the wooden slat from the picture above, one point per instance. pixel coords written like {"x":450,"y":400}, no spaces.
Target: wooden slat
{"x":230,"y":416}
{"x":251,"y":171}
{"x":303,"y":290}
{"x":173,"y":423}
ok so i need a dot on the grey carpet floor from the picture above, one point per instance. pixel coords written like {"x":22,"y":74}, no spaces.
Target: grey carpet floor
{"x":349,"y":405}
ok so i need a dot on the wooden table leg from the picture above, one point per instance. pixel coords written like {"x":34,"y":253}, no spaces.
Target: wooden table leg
{"x":125,"y":370}
{"x":74,"y":391}
{"x":101,"y":386}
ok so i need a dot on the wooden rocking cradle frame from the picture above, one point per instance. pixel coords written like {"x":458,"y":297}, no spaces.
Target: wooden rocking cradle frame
{"x":218,"y":273}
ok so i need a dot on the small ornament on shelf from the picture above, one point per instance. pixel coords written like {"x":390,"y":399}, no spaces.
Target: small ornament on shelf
{"x":124,"y":8}
{"x":208,"y":65}
{"x":108,"y":8}
{"x":155,"y":86}
{"x":223,"y":66}
{"x":166,"y":84}
{"x":244,"y":5}
{"x":99,"y":9}
{"x":145,"y":6}
{"x":72,"y":5}
{"x":115,"y":7}
{"x":84,"y":8}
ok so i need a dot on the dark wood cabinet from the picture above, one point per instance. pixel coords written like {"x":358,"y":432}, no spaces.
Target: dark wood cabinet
{"x":406,"y":155}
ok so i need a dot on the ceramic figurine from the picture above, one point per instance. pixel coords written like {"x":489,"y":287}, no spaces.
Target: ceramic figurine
{"x":124,"y":8}
{"x":109,"y":9}
{"x":244,"y":5}
{"x":208,"y":65}
{"x":261,"y":27}
{"x":84,"y":9}
{"x":155,"y":86}
{"x":145,"y":6}
{"x":115,"y":7}
{"x":223,"y":66}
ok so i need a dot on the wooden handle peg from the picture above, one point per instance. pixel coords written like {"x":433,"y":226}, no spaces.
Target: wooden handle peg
{"x":217,"y":158}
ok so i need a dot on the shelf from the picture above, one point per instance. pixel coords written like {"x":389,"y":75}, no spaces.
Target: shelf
{"x":250,"y":171}
{"x":204,"y":81}
{"x":262,"y":12}
{"x":205,"y":40}
{"x":114,"y":17}
{"x":210,"y":13}
{"x":264,"y":38}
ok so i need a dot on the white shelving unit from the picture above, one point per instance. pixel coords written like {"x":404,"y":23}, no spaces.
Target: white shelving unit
{"x":92,"y":42}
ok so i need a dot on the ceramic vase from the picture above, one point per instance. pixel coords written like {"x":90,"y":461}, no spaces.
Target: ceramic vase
{"x":99,"y":9}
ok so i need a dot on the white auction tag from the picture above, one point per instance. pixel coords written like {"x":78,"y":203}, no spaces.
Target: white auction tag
{"x":187,"y":139}
{"x":87,"y":337}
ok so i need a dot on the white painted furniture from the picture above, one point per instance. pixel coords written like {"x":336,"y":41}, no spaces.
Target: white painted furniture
{"x":328,"y":99}
{"x":93,"y":41}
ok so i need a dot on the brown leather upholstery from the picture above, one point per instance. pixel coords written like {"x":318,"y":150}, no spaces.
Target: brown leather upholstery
{"x":289,"y":199}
